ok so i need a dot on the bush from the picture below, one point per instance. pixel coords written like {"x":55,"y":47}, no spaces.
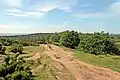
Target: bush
{"x":25,"y":43}
{"x":41,"y":40}
{"x":55,"y":37}
{"x":98,"y":43}
{"x":15,"y":68}
{"x":2,"y":49}
{"x":69,"y":39}
{"x":16,"y":48}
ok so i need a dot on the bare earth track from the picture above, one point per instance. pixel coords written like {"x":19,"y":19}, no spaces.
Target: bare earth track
{"x":80,"y":70}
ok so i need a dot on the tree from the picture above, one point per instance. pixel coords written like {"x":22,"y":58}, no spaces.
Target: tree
{"x":54,"y":37}
{"x":41,"y":40}
{"x":47,"y":38}
{"x":69,"y":39}
{"x":98,"y":43}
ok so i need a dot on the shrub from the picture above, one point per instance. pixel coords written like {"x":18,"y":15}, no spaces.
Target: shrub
{"x":15,"y":68}
{"x":69,"y":39}
{"x":2,"y":49}
{"x":55,"y":37}
{"x":98,"y":43}
{"x":16,"y":48}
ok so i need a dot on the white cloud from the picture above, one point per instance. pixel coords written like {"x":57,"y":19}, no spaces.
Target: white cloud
{"x":19,"y":28}
{"x":66,"y":5}
{"x":37,"y":10}
{"x":33,"y":11}
{"x":47,"y":8}
{"x":17,"y":12}
{"x":14,"y":10}
{"x":59,"y":4}
{"x":66,"y":9}
{"x":115,"y":8}
{"x":112,"y":11}
{"x":14,"y":3}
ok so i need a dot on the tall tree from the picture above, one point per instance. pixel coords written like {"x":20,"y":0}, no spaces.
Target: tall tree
{"x":69,"y":39}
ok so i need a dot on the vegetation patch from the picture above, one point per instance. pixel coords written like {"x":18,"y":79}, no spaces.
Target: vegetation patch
{"x":15,"y":68}
{"x":107,"y":61}
{"x":43,"y":70}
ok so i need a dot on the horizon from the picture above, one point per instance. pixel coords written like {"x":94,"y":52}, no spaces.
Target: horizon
{"x":49,"y":16}
{"x":55,"y":32}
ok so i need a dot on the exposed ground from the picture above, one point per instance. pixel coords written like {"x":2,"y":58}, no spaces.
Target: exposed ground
{"x":60,"y":64}
{"x":80,"y":70}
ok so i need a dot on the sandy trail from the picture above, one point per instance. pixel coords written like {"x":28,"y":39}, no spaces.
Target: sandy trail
{"x":34,"y":57}
{"x":81,"y":70}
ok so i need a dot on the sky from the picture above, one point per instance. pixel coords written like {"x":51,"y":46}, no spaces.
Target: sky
{"x":36,"y":16}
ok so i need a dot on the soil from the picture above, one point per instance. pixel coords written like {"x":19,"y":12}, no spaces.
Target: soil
{"x":80,"y":70}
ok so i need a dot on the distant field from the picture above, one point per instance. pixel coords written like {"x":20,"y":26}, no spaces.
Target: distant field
{"x":108,"y":61}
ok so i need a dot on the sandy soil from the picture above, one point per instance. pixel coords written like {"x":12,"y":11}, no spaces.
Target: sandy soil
{"x":80,"y":70}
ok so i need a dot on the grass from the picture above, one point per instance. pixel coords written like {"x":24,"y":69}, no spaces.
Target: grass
{"x":107,"y":61}
{"x":41,"y":69}
{"x":33,"y":49}
{"x":44,"y":71}
{"x":27,"y":49}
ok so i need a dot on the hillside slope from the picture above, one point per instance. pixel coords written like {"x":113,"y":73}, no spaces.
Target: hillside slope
{"x":80,"y":70}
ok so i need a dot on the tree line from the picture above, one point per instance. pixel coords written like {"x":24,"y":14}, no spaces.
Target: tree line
{"x":15,"y":68}
{"x":94,"y":43}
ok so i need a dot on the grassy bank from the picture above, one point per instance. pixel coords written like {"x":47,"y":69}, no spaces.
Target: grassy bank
{"x":107,"y":61}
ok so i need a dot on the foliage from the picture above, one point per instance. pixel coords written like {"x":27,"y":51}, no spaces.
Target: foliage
{"x":15,"y":68}
{"x":47,"y":38}
{"x":69,"y":39}
{"x":55,"y":37}
{"x":98,"y":43}
{"x":2,"y":49}
{"x":41,"y":40}
{"x":26,"y":40}
{"x":16,"y":48}
{"x":26,"y":43}
{"x":6,"y":41}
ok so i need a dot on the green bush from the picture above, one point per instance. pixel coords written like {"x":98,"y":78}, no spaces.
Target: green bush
{"x":15,"y":68}
{"x":69,"y":39}
{"x":55,"y":37}
{"x":98,"y":43}
{"x":2,"y":49}
{"x":16,"y":48}
{"x":25,"y":43}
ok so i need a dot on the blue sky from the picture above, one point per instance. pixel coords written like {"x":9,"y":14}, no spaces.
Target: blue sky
{"x":33,"y":16}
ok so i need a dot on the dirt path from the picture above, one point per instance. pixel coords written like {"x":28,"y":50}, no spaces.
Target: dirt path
{"x":34,"y":57}
{"x":81,"y":70}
